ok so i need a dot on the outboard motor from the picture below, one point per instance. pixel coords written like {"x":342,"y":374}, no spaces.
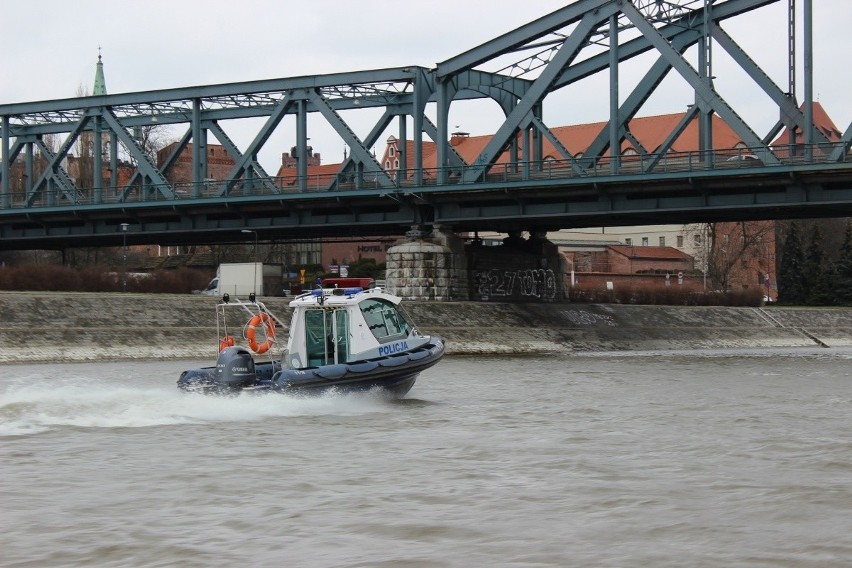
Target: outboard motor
{"x":235,"y":369}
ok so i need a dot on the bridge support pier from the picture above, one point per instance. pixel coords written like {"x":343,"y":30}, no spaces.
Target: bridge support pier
{"x":519,"y":270}
{"x":428,"y":266}
{"x":438,"y":266}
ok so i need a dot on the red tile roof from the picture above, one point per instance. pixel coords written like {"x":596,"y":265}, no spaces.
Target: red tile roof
{"x":650,"y":131}
{"x":288,"y":176}
{"x":822,"y":122}
{"x":650,"y":252}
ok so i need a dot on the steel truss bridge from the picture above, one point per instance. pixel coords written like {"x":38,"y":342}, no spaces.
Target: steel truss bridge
{"x":812,"y":176}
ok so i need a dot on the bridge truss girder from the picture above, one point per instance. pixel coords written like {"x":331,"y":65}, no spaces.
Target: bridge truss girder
{"x":668,"y":36}
{"x":513,"y":203}
{"x":561,"y":49}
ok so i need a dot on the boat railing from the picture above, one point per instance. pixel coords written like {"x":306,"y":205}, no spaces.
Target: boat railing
{"x":251,"y":309}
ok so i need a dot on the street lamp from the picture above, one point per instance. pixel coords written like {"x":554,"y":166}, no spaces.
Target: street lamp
{"x":255,"y":241}
{"x":255,"y":255}
{"x":124,"y":262}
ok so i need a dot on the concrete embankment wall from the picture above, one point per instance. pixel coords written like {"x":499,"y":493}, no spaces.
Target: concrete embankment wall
{"x":80,"y":327}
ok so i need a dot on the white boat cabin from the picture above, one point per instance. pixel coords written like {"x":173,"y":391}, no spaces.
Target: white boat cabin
{"x":346,"y":325}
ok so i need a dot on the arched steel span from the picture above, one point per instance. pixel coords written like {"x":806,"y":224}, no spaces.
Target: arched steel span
{"x":532,"y":62}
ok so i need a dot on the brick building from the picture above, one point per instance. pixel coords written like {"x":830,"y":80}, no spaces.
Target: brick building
{"x":625,"y":259}
{"x":219,"y":163}
{"x":616,"y":264}
{"x":290,"y":160}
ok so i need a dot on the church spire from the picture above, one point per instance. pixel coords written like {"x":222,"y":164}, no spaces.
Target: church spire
{"x":100,"y":82}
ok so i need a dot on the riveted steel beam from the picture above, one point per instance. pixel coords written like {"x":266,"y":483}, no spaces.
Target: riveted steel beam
{"x":540,"y":87}
{"x":143,"y":163}
{"x":703,"y":91}
{"x":360,"y":152}
{"x":519,"y":37}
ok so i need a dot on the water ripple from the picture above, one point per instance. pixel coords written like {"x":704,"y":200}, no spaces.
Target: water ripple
{"x":664,"y":460}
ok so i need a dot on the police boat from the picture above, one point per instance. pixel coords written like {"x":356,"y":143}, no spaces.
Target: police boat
{"x":341,"y":337}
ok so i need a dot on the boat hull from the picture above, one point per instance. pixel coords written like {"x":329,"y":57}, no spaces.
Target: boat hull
{"x":393,"y":375}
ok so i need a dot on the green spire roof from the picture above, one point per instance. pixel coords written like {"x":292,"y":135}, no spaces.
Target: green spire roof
{"x":100,"y":83}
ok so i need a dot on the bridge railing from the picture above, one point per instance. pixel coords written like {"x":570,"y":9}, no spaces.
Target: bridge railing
{"x":548,"y":169}
{"x":670,"y":162}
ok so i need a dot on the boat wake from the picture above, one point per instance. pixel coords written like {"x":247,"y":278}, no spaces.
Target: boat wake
{"x":30,"y":407}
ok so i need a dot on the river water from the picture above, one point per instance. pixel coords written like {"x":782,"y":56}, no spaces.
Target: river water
{"x":614,"y":459}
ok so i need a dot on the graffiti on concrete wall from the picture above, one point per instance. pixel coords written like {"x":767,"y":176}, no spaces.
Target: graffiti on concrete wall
{"x":527,"y":283}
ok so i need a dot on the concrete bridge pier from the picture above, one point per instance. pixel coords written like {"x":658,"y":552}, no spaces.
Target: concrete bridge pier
{"x":437,"y":265}
{"x":519,"y":270}
{"x":428,"y":266}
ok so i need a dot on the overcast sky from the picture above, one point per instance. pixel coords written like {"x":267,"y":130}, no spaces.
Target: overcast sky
{"x":50,"y":47}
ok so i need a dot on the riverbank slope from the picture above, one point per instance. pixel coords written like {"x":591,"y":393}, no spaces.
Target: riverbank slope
{"x":83,"y":327}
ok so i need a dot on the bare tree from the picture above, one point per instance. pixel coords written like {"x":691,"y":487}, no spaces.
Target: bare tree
{"x":151,"y":139}
{"x":733,"y":254}
{"x":742,"y":253}
{"x":697,"y":245}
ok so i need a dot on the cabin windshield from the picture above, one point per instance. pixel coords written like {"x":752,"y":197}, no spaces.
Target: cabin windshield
{"x":326,"y":336}
{"x":384,"y":320}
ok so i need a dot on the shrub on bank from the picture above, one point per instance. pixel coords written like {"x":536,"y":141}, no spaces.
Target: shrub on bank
{"x":52,"y":278}
{"x":55,"y":278}
{"x":669,"y":296}
{"x":40,"y":278}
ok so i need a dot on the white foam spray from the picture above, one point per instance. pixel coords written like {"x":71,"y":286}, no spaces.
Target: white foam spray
{"x":29,"y":405}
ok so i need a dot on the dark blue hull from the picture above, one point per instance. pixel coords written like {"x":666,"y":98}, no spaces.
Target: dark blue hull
{"x":393,"y":375}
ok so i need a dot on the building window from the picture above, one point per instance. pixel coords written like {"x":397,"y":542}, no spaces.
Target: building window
{"x":628,"y":241}
{"x":644,"y":241}
{"x":387,"y":165}
{"x":396,"y":164}
{"x":680,"y":241}
{"x":697,"y":240}
{"x":662,"y":241}
{"x":391,"y":151}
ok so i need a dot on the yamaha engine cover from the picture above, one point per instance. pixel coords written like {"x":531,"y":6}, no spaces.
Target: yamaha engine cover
{"x":235,"y":369}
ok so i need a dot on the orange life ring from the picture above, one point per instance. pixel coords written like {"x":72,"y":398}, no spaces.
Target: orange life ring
{"x":269,"y":323}
{"x":226,"y":342}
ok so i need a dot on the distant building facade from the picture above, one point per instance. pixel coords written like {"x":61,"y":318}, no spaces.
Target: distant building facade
{"x":220,"y":163}
{"x":743,"y":255}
